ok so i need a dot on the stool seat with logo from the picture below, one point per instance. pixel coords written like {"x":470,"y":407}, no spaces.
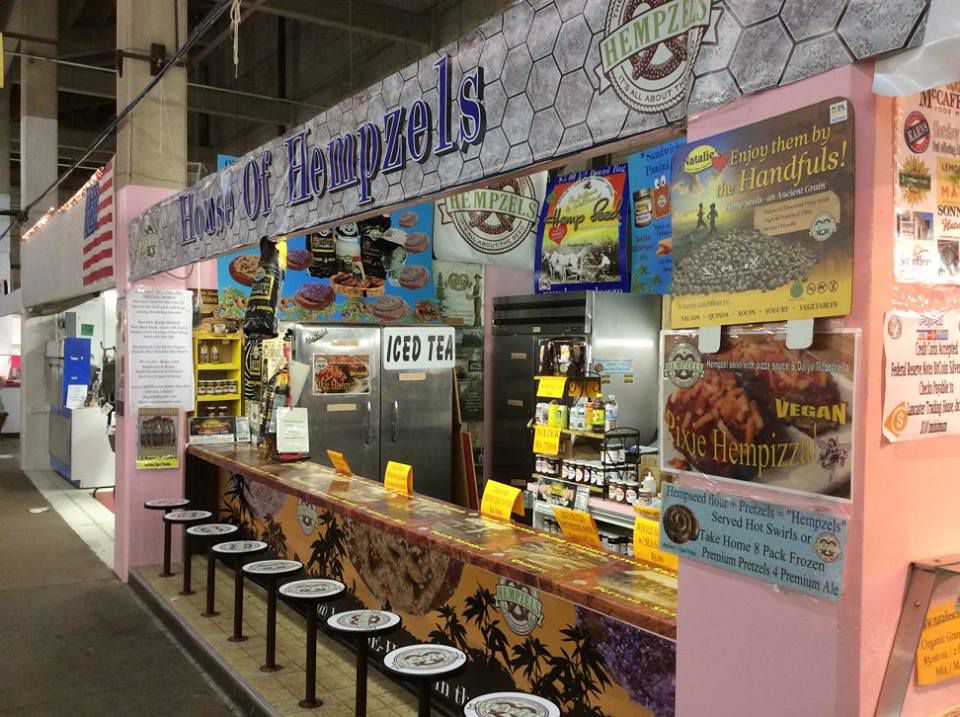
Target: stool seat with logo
{"x":187,"y":518}
{"x":361,"y":625}
{"x":166,"y":505}
{"x":423,"y":664}
{"x":238,"y":550}
{"x":211,"y":532}
{"x":312,"y":591}
{"x":510,"y":703}
{"x":271,"y":571}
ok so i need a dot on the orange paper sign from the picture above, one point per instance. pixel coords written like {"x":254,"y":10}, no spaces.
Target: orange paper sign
{"x":501,"y":500}
{"x":938,"y":654}
{"x":398,"y":477}
{"x":339,"y":462}
{"x":646,"y":545}
{"x":578,"y":526}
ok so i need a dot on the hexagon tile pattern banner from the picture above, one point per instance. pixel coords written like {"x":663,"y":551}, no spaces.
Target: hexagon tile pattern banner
{"x":558,"y":76}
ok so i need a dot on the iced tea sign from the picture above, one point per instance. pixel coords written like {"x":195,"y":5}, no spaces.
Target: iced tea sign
{"x":418,"y":349}
{"x":763,"y":220}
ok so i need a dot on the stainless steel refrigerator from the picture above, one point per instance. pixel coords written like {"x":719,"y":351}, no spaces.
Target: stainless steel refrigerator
{"x":375,"y":408}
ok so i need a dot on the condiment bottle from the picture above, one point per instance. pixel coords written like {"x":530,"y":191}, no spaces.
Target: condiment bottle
{"x":610,"y":416}
{"x":598,"y":416}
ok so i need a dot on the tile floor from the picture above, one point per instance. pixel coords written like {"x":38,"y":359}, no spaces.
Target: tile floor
{"x":80,"y":510}
{"x":283,"y":689}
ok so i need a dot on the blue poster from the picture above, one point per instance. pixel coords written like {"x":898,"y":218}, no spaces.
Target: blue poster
{"x":650,"y":224}
{"x":797,"y":549}
{"x":582,"y":242}
{"x":379,"y":270}
{"x":76,"y":365}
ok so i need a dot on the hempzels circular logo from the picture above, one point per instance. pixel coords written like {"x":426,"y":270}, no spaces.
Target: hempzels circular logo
{"x":494,"y":220}
{"x":649,"y":47}
{"x":916,"y":132}
{"x":520,"y":606}
{"x":684,"y":366}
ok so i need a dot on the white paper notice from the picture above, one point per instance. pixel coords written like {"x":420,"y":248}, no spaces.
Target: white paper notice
{"x":293,"y":433}
{"x":243,"y":429}
{"x":160,"y":340}
{"x":921,"y":397}
{"x":76,"y":395}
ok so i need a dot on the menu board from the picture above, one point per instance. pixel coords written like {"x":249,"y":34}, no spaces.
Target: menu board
{"x":927,"y":194}
{"x":379,"y":270}
{"x":582,"y":242}
{"x":763,"y":219}
{"x":921,"y":387}
{"x":651,"y":245}
{"x":757,"y":411}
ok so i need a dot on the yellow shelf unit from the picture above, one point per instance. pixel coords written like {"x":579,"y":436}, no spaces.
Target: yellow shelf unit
{"x":229,"y":368}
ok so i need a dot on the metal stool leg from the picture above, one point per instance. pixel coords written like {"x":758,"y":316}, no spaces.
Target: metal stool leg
{"x":310,"y":698}
{"x":238,"y":635}
{"x":271,"y":663}
{"x":211,"y":581}
{"x":363,"y":647}
{"x":166,"y":549}
{"x":186,"y":564}
{"x":423,"y":706}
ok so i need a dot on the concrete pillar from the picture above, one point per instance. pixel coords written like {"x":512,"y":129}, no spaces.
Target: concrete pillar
{"x":38,"y":109}
{"x":38,"y":171}
{"x":151,"y":164}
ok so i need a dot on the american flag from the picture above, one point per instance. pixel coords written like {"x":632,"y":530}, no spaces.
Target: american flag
{"x":98,"y":227}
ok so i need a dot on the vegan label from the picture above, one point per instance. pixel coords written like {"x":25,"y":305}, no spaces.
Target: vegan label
{"x":758,"y":411}
{"x":921,"y":391}
{"x":762,"y":220}
{"x":796,"y":549}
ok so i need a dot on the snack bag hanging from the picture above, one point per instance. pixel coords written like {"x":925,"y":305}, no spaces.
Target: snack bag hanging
{"x":261,"y":320}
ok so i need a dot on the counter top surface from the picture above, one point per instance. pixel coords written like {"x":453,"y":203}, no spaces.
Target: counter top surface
{"x":632,"y":591}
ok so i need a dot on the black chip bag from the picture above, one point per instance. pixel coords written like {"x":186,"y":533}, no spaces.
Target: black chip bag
{"x":261,"y":320}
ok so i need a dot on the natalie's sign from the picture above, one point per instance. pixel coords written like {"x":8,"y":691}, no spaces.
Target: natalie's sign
{"x":418,"y":349}
{"x":493,"y":225}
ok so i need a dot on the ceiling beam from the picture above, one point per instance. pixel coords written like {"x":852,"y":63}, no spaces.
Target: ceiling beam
{"x":362,"y":16}
{"x":201,"y":99}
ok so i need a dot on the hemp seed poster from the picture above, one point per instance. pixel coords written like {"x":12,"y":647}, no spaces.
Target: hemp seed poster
{"x":763,"y":220}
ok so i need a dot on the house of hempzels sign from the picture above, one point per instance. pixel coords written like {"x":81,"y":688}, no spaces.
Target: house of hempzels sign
{"x":540,"y":80}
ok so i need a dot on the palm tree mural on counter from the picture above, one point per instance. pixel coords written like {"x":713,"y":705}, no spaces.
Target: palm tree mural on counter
{"x":236,"y":506}
{"x":328,"y":550}
{"x":274,"y":537}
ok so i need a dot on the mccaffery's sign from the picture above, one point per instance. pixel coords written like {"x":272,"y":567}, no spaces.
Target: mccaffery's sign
{"x":350,"y":159}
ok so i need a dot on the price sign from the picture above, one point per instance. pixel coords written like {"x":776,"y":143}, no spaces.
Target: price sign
{"x":646,"y":544}
{"x":339,"y":462}
{"x":546,"y":440}
{"x":552,"y":386}
{"x":939,"y":643}
{"x":578,"y":527}
{"x":398,"y":477}
{"x":501,"y":500}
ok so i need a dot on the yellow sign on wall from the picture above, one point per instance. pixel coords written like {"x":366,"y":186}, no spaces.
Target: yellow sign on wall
{"x":938,"y":655}
{"x":578,"y":526}
{"x":646,"y":545}
{"x":501,"y":500}
{"x":398,"y":477}
{"x":546,"y":440}
{"x":339,"y":462}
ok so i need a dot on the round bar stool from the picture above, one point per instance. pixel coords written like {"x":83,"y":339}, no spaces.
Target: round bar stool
{"x":211,"y":531}
{"x":238,"y":550}
{"x":166,"y":505}
{"x":361,"y":625}
{"x":187,"y":518}
{"x":272,"y":570}
{"x":313,"y":592}
{"x":422,"y":664}
{"x":510,"y":703}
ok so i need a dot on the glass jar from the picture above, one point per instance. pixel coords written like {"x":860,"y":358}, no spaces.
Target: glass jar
{"x":204,"y":352}
{"x":642,"y":208}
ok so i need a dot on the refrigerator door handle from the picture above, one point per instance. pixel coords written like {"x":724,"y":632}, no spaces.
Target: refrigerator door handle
{"x":395,"y":422}
{"x":368,"y":425}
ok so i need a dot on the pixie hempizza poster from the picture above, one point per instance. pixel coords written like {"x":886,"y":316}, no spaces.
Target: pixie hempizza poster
{"x":763,"y":220}
{"x":379,"y":270}
{"x":582,"y":243}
